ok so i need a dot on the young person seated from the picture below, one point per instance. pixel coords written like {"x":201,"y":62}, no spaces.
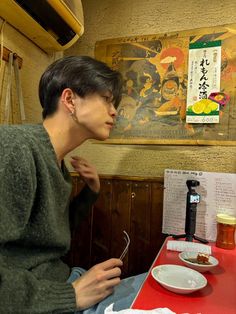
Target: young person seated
{"x":79,"y":96}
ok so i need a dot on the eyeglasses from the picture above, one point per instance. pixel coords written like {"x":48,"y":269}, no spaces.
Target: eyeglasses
{"x":127,"y":241}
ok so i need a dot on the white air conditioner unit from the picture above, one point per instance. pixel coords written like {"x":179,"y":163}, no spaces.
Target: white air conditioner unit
{"x":53,"y":25}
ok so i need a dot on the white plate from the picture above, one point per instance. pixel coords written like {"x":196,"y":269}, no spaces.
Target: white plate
{"x":199,"y":267}
{"x":179,"y":279}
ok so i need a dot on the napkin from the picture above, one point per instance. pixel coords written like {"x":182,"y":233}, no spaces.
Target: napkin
{"x":109,"y":310}
{"x":185,"y":246}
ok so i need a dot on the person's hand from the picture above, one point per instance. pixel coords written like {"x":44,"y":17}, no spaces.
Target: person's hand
{"x":87,"y":172}
{"x":97,"y":283}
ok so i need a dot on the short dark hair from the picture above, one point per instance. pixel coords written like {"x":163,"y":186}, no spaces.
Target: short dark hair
{"x":83,"y":75}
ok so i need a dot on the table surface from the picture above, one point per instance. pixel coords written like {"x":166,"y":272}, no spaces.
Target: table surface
{"x":218,"y":297}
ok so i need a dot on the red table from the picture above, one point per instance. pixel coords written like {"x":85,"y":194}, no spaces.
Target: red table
{"x":218,"y":297}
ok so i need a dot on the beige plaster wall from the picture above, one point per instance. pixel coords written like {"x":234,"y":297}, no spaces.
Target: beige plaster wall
{"x":117,"y":18}
{"x":35,"y":62}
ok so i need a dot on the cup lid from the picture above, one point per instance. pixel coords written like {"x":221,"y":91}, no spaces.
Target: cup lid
{"x":226,"y":219}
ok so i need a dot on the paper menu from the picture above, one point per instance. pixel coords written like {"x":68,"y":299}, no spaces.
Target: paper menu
{"x":218,"y":195}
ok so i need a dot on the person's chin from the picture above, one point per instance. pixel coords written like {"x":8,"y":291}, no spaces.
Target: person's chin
{"x":102,"y":137}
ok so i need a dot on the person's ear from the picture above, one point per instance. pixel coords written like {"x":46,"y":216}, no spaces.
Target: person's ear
{"x":67,"y":98}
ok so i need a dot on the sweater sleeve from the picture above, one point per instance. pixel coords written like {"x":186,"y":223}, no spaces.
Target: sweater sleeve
{"x":20,"y":290}
{"x":21,"y":293}
{"x":81,"y":205}
{"x":17,"y":191}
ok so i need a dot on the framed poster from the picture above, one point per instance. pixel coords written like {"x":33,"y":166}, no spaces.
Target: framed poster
{"x":155,"y":73}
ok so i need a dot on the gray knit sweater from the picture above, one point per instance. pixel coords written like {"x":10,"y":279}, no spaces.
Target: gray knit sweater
{"x":34,"y":223}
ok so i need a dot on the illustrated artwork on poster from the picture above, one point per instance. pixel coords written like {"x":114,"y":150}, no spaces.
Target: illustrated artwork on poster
{"x":156,"y":103}
{"x":154,"y":90}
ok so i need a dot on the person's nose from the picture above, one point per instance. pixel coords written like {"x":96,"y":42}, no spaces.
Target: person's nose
{"x":113,"y":111}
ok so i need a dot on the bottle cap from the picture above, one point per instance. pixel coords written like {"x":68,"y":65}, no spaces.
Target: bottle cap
{"x":226,"y":219}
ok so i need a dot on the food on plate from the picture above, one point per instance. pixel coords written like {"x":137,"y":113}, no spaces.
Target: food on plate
{"x":200,"y":259}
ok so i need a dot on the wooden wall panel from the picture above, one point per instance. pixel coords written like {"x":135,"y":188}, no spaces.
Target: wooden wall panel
{"x":140,"y":227}
{"x":121,"y":210}
{"x":125,"y":203}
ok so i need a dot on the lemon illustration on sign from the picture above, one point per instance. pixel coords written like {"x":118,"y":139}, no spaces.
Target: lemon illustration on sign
{"x":207,"y":110}
{"x":205,"y":106}
{"x":213,"y":106}
{"x":198,"y":107}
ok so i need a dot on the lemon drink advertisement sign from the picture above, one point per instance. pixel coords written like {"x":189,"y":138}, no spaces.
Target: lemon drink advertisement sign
{"x":204,"y":68}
